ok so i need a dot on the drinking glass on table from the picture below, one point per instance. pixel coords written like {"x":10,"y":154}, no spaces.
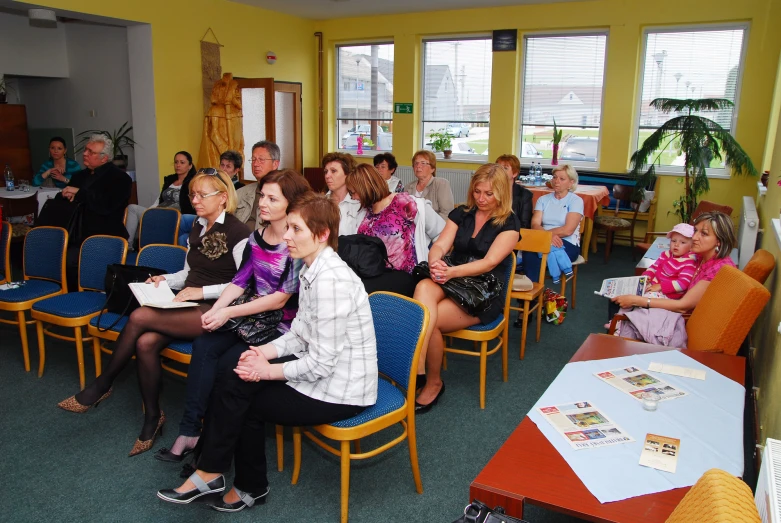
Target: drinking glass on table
{"x":24,"y":185}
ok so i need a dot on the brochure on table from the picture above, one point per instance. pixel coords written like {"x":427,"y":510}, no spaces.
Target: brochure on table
{"x":660,"y":452}
{"x":635,"y":382}
{"x":584,"y":426}
{"x":708,"y":421}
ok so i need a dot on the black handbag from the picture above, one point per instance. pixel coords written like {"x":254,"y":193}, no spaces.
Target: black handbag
{"x":479,"y":512}
{"x":119,"y":297}
{"x":474,"y":294}
{"x":366,"y":255}
{"x":255,"y":329}
{"x":61,"y":212}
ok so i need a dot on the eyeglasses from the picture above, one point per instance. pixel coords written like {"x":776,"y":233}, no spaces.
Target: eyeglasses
{"x":209,"y":171}
{"x":260,"y":160}
{"x":203,"y":196}
{"x":90,"y":152}
{"x":420,"y":164}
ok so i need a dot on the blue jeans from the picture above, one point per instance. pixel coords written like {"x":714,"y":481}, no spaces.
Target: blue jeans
{"x":185,"y":226}
{"x":558,"y":262}
{"x":532,"y":262}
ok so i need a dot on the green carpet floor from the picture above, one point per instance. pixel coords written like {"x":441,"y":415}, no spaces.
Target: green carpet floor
{"x":64,"y":467}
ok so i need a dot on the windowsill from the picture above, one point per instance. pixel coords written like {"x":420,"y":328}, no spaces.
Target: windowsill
{"x":761,"y":188}
{"x":777,"y":230}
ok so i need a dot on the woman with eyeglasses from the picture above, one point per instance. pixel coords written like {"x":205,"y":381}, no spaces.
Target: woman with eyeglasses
{"x":214,"y":254}
{"x":428,"y":186}
{"x":174,"y":194}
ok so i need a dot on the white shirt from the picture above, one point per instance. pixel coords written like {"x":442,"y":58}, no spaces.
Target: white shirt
{"x":350,"y":215}
{"x":210,"y":292}
{"x":333,"y":335}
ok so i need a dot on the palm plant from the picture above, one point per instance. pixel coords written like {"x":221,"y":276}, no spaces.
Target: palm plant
{"x":119,"y":137}
{"x":699,"y":139}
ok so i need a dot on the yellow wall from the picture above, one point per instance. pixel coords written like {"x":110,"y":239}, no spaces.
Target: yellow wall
{"x":625,"y":21}
{"x":246,"y":32}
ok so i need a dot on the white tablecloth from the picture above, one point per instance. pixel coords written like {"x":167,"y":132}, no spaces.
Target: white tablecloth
{"x":42,"y":193}
{"x":709,"y":423}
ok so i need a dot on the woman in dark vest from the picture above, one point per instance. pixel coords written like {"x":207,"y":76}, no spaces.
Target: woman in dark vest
{"x":215,"y":249}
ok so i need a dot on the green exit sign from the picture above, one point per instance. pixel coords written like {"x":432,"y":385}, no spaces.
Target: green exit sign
{"x":402,"y":108}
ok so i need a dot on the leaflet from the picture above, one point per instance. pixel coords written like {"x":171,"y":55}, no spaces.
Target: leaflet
{"x":584,"y":426}
{"x":613,"y":287}
{"x":675,"y":370}
{"x":635,"y":382}
{"x":660,"y":452}
{"x":160,"y":297}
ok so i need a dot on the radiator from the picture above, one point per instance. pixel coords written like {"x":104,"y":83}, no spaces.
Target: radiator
{"x":769,"y":483}
{"x":458,"y":178}
{"x":747,"y":231}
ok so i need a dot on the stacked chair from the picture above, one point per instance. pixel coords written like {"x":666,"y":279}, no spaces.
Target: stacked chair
{"x":44,"y":277}
{"x":400,"y":324}
{"x":76,"y":309}
{"x":482,"y":333}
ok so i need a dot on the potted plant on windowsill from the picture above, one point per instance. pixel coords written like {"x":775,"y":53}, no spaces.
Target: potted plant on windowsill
{"x":440,"y":141}
{"x":119,"y":137}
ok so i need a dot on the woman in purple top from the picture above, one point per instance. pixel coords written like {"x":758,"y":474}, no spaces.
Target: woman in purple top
{"x":272,"y":275}
{"x":391,"y":218}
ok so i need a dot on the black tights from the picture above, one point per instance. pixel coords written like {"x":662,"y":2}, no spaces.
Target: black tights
{"x":147,"y":333}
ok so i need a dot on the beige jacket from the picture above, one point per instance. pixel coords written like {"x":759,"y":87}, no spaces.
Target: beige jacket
{"x":246,"y":197}
{"x":438,"y":192}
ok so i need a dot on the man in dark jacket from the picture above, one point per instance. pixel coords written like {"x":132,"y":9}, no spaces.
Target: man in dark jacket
{"x":104,"y":191}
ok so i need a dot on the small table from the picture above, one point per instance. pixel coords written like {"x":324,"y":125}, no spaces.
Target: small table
{"x":527,"y":468}
{"x":42,"y":193}
{"x":593,"y":197}
{"x":660,"y":244}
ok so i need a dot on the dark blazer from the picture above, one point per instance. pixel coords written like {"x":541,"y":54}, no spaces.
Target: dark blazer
{"x":523,"y":205}
{"x":185,"y":205}
{"x":105,"y":193}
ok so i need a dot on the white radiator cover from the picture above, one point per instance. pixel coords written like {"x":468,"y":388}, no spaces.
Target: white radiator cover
{"x":769,"y":483}
{"x":458,"y":178}
{"x":747,"y":232}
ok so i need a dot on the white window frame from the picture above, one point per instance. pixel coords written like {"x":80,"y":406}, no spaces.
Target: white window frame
{"x":546,"y":162}
{"x":338,"y":85}
{"x":676,"y":170}
{"x":457,"y":158}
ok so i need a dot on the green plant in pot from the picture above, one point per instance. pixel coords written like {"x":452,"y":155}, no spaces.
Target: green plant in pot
{"x":440,"y":141}
{"x":119,"y":137}
{"x":699,"y":139}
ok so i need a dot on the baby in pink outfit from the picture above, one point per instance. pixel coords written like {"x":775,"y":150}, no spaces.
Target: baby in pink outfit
{"x":672,"y":273}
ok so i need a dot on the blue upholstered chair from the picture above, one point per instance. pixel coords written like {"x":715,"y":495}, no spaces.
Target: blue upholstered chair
{"x":107,"y":326}
{"x":485,"y":332}
{"x":75,"y":309}
{"x":5,"y":252}
{"x":159,"y":225}
{"x":400,"y":324}
{"x":44,"y":277}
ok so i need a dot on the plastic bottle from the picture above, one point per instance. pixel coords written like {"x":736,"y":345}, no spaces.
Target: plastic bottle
{"x":9,"y":178}
{"x":538,"y":174}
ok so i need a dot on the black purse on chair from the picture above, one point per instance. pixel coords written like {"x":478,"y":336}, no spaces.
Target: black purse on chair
{"x":119,"y":297}
{"x":474,"y":294}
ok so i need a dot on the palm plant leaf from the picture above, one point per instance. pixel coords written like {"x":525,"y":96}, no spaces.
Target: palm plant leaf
{"x":673,"y":105}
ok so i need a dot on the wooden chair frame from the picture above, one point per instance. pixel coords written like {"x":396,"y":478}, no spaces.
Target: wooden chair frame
{"x":538,"y":241}
{"x":580,"y":261}
{"x":77,"y":323}
{"x":20,"y":307}
{"x":500,"y":332}
{"x":6,"y":268}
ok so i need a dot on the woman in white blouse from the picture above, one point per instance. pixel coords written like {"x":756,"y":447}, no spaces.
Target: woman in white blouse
{"x":336,"y":167}
{"x":333,"y":378}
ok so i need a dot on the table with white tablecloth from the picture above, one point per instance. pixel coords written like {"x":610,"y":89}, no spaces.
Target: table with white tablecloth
{"x":42,"y":193}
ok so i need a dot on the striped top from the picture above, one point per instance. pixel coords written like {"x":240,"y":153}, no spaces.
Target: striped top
{"x":673,"y":274}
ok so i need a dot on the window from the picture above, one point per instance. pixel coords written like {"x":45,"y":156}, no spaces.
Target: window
{"x":364,"y":98}
{"x":562,"y":81}
{"x":692,"y":63}
{"x":457,"y":94}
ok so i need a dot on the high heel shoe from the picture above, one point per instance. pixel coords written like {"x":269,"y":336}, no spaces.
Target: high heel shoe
{"x":422,"y":409}
{"x":142,"y":446}
{"x":72,"y":404}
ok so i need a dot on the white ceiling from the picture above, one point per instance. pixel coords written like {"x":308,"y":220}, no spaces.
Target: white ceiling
{"x":326,"y":9}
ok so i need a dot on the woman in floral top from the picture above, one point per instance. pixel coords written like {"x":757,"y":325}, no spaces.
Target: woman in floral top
{"x":391,"y":218}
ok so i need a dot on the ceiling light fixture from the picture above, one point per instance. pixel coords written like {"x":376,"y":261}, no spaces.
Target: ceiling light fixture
{"x":44,"y":18}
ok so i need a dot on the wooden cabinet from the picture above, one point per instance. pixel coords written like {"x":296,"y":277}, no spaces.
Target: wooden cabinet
{"x":15,"y":142}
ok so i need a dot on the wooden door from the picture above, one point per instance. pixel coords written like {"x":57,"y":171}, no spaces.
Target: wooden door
{"x":257,"y":101}
{"x":287,"y":124}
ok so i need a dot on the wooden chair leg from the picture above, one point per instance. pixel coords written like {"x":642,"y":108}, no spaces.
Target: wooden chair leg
{"x":296,"y":454}
{"x":97,"y":356}
{"x":280,"y":448}
{"x":80,"y":356}
{"x":41,"y":347}
{"x":412,"y":442}
{"x":608,"y":244}
{"x":525,"y":328}
{"x":345,"y":460}
{"x":483,"y":370}
{"x":357,"y":446}
{"x":505,"y":341}
{"x":574,"y":285}
{"x":540,"y":312}
{"x":23,"y":335}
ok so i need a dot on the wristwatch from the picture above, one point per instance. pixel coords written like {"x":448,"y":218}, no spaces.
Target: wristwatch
{"x":648,"y":304}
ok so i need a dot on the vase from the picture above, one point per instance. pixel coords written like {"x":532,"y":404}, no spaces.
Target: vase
{"x":765,"y":177}
{"x":555,"y":159}
{"x":360,"y":145}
